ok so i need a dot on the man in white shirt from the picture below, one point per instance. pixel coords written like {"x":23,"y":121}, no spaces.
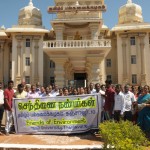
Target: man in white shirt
{"x":55,"y":92}
{"x":102,"y":93}
{"x":33,"y":93}
{"x":102,"y":98}
{"x":129,"y":99}
{"x":20,"y":92}
{"x":1,"y":105}
{"x":42,"y":92}
{"x":92,"y":90}
{"x":119,"y":103}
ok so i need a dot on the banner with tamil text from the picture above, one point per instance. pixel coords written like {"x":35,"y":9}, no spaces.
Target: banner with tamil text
{"x":57,"y":115}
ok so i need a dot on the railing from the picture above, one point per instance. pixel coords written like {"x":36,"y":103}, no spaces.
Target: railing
{"x":77,"y":43}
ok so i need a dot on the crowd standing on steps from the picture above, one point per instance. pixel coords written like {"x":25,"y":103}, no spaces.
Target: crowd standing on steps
{"x":130,"y":103}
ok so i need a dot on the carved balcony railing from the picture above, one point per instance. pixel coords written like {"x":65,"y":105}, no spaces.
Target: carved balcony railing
{"x":77,"y":43}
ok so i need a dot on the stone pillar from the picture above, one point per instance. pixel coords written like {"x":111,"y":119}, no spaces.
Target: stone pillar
{"x":124,"y":56}
{"x":36,"y":56}
{"x":31,"y":60}
{"x":88,"y":71}
{"x":68,"y":72}
{"x":9,"y":68}
{"x":59,"y":28}
{"x":93,"y":69}
{"x":59,"y":71}
{"x":23,"y":59}
{"x":1,"y":61}
{"x":94,"y":28}
{"x":18,"y":61}
{"x":142,"y":50}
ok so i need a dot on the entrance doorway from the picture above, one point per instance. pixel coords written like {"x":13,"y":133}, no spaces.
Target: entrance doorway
{"x":80,"y":79}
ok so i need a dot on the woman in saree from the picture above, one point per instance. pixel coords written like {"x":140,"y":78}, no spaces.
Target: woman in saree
{"x":144,"y":113}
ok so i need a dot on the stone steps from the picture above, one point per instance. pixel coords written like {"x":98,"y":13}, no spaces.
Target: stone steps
{"x":84,"y":141}
{"x":48,"y":147}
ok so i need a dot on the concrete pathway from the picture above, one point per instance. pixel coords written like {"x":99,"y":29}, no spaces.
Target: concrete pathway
{"x":47,"y":142}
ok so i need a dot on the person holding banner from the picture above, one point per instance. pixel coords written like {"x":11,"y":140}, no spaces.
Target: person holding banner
{"x":75,"y":92}
{"x":42,"y":92}
{"x":102,"y":94}
{"x":65,"y":92}
{"x":27,"y":88}
{"x":82,"y":92}
{"x":20,"y":92}
{"x":55,"y":91}
{"x":33,"y":93}
{"x":61,"y":92}
{"x":8,"y":98}
{"x":47,"y":92}
{"x":92,"y":90}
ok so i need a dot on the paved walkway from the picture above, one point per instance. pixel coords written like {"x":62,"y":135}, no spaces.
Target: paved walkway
{"x":47,"y":142}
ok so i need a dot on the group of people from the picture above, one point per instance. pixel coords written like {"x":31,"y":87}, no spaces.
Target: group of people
{"x":129,"y":103}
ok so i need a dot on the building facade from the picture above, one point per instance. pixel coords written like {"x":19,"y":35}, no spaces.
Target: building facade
{"x":79,"y":48}
{"x":131,"y":42}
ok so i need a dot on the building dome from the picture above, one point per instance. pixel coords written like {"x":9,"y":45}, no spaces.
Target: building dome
{"x":130,"y":13}
{"x":30,"y":15}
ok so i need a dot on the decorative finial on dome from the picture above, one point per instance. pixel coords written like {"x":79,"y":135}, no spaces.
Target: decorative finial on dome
{"x":2,"y":27}
{"x":30,"y":3}
{"x":77,"y":3}
{"x":129,"y":1}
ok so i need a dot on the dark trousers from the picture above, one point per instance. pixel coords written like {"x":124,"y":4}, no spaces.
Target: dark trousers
{"x":128,"y":116}
{"x":117,"y":115}
{"x":1,"y":112}
{"x":107,"y":115}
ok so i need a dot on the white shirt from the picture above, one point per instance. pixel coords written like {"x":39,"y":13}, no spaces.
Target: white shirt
{"x":102,"y":98}
{"x":54,"y":93}
{"x":93,"y":91}
{"x":32,"y":95}
{"x":129,"y":99}
{"x":119,"y":102}
{"x":1,"y":97}
{"x":42,"y":94}
{"x":15,"y":90}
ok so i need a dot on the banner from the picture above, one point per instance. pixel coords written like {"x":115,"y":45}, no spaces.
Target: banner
{"x":57,"y":115}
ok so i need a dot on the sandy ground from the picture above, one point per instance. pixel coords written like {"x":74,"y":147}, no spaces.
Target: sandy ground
{"x":86,"y":140}
{"x":76,"y":139}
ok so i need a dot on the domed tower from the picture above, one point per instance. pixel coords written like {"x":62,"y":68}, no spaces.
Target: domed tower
{"x":27,"y":46}
{"x":131,"y":42}
{"x":130,"y":13}
{"x":30,"y":15}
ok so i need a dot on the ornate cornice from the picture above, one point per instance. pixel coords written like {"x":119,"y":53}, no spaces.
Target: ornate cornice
{"x":76,"y":26}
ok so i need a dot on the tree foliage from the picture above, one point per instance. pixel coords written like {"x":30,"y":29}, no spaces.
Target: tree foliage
{"x":122,"y":136}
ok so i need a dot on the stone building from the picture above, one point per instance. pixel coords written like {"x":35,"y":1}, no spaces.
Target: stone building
{"x":130,"y":44}
{"x":79,"y":48}
{"x":22,"y":48}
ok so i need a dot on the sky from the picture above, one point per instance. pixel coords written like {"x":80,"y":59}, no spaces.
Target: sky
{"x":9,"y":10}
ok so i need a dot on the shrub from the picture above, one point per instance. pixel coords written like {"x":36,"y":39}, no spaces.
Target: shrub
{"x":122,"y":136}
